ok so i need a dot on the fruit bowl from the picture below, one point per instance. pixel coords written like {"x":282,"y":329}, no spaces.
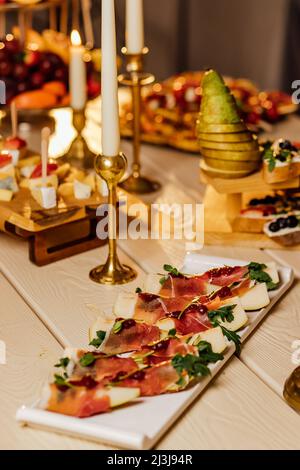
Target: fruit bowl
{"x":36,"y":76}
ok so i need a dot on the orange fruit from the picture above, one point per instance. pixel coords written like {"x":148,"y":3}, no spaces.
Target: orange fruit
{"x":35,"y":100}
{"x":56,"y":88}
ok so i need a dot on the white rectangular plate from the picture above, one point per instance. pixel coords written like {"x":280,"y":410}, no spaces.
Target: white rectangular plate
{"x":140,"y":424}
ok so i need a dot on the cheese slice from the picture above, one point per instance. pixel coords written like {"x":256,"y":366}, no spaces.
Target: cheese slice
{"x":32,"y":183}
{"x":46,"y":197}
{"x":81,"y":190}
{"x":6,"y":195}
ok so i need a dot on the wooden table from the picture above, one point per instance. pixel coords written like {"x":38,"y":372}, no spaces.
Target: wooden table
{"x":44,"y":309}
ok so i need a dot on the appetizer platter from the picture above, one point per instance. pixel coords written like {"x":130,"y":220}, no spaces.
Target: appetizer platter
{"x":49,"y":202}
{"x":170,"y":109}
{"x":255,"y":186}
{"x":157,"y":351}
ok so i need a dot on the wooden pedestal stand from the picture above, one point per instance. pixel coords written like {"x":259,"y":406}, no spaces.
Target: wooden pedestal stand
{"x":224,"y":200}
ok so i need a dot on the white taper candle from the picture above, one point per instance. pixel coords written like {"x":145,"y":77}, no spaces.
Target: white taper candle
{"x":134,"y":26}
{"x":109,"y":82}
{"x":77,"y":74}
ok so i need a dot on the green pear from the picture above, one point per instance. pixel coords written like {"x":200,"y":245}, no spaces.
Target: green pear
{"x":233,"y":137}
{"x":243,"y":156}
{"x":235,"y":146}
{"x":218,"y":105}
{"x":232,"y":165}
{"x":204,"y":127}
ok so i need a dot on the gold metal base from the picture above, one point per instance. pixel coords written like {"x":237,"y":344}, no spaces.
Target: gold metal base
{"x":111,"y":169}
{"x":121,"y":274}
{"x":139,"y":185}
{"x":79,"y":154}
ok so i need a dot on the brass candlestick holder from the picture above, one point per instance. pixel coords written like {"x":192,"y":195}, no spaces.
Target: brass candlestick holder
{"x":79,"y":153}
{"x":111,"y":169}
{"x":136,"y":79}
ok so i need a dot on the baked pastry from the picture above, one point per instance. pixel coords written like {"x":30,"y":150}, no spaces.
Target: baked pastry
{"x":281,"y":161}
{"x":284,"y":230}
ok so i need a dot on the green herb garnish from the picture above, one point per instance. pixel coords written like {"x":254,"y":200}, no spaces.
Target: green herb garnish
{"x":172,"y":332}
{"x":118,"y":326}
{"x":172,"y":271}
{"x":257,"y":273}
{"x":96,"y":342}
{"x":231,"y":336}
{"x":138,"y":290}
{"x":63,"y":362}
{"x":206,"y":353}
{"x":192,"y":365}
{"x":87,"y":360}
{"x":61,"y":381}
{"x":225,"y":313}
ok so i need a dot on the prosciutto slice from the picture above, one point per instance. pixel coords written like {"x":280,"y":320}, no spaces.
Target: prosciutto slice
{"x":150,"y":307}
{"x":166,"y":349}
{"x":154,"y":380}
{"x":132,"y":337}
{"x":183,"y":286}
{"x":78,"y":401}
{"x":225,"y":276}
{"x":105,"y":369}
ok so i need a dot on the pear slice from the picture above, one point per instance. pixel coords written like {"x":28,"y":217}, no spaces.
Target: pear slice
{"x":101,"y":324}
{"x":166,"y":324}
{"x":256,"y":298}
{"x":220,"y":128}
{"x":232,"y":165}
{"x":124,"y":306}
{"x":224,"y":174}
{"x":245,"y":155}
{"x":272,"y":271}
{"x":234,"y":146}
{"x":233,"y":137}
{"x":152,"y":284}
{"x":120,"y":395}
{"x":240,"y":316}
{"x":215,"y":337}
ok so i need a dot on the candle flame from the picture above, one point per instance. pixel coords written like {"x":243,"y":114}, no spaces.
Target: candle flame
{"x":75,"y":38}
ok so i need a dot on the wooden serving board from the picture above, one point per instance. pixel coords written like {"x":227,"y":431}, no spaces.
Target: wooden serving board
{"x":247,"y":184}
{"x":53,"y":234}
{"x":220,"y":216}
